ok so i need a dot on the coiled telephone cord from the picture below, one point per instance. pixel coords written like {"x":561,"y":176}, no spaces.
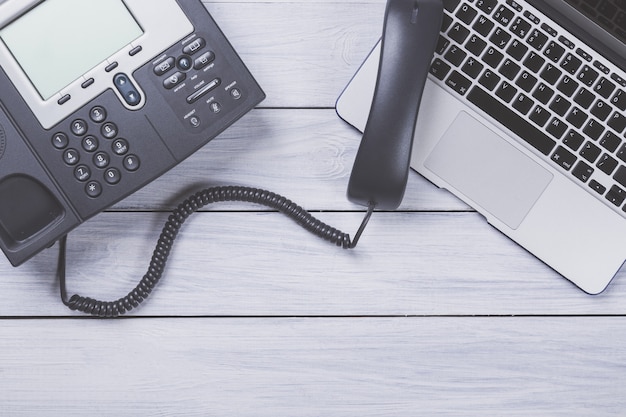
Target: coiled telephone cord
{"x":172,"y":227}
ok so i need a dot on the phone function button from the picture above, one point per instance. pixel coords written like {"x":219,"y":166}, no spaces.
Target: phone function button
{"x":194,"y":46}
{"x":101,"y":160}
{"x":111,"y":66}
{"x":60,"y":140}
{"x":165,"y":66}
{"x":135,"y":50}
{"x":203,"y":60}
{"x":185,"y":63}
{"x":64,"y":99}
{"x":235,"y":93}
{"x":127,"y":89}
{"x":93,"y":189}
{"x":203,"y":91}
{"x":79,"y":127}
{"x":173,"y":80}
{"x":88,"y":83}
{"x":131,"y":163}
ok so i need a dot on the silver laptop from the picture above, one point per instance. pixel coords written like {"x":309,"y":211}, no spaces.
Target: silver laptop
{"x":523,"y":118}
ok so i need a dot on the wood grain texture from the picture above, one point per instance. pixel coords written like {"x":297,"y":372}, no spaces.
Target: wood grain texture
{"x":314,"y":367}
{"x":434,"y":313}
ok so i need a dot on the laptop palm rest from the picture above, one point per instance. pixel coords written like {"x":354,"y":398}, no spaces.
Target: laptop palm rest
{"x":488,"y":170}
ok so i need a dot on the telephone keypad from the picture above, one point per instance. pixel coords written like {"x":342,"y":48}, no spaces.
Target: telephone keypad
{"x":97,"y":165}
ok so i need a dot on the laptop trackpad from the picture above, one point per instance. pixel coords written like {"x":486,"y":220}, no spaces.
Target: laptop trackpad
{"x":499,"y":178}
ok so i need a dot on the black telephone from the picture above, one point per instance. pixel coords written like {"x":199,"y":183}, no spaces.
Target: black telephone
{"x":85,"y":120}
{"x":75,"y":144}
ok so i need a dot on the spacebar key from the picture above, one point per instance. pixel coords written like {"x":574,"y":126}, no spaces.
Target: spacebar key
{"x":511,"y":120}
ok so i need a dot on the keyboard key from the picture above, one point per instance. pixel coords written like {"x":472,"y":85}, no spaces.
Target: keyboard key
{"x":620,"y":175}
{"x":554,"y":51}
{"x":556,"y":128}
{"x":590,"y":152}
{"x":450,"y":5}
{"x":517,"y":124}
{"x":593,"y":129}
{"x":617,"y":122}
{"x":568,"y":86}
{"x":537,"y":39}
{"x":500,"y":38}
{"x":616,"y":195}
{"x":483,"y":26}
{"x":509,"y":69}
{"x":588,"y":75}
{"x":573,"y":140}
{"x":475,"y":45}
{"x":551,"y":74}
{"x":466,"y":14}
{"x":560,"y":105}
{"x":540,"y":116}
{"x":455,"y":55}
{"x":543,"y":93}
{"x":523,"y":103}
{"x":607,"y":164}
{"x":604,"y":87}
{"x":526,"y":81}
{"x":492,"y":57}
{"x":517,"y":49}
{"x":489,"y":80}
{"x":621,"y":154}
{"x":577,"y":117}
{"x":563,"y":158}
{"x":486,"y":6}
{"x":506,"y":91}
{"x":571,"y":64}
{"x":503,"y":15}
{"x":584,"y":97}
{"x":520,"y":27}
{"x":610,"y":141}
{"x":601,"y":110}
{"x":582,"y":171}
{"x":534,"y":62}
{"x":472,"y":67}
{"x":458,"y":83}
{"x":442,"y":45}
{"x":458,"y":33}
{"x":439,"y":69}
{"x":597,"y":187}
{"x":619,"y":100}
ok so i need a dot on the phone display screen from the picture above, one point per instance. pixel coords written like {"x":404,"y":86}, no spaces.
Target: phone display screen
{"x":58,"y":41}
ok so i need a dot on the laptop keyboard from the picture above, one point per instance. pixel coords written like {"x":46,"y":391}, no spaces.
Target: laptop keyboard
{"x":560,"y":97}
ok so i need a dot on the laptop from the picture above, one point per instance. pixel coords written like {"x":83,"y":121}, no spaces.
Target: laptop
{"x":523,"y":117}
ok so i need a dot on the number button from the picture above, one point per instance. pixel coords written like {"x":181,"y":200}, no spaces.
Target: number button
{"x":109,"y":130}
{"x":90,"y":143}
{"x":131,"y":163}
{"x":79,"y":127}
{"x":60,"y":141}
{"x":120,"y":147}
{"x":98,"y":114}
{"x":82,"y":173}
{"x":101,"y":160}
{"x":71,"y":157}
{"x":93,"y":189}
{"x":112,"y":176}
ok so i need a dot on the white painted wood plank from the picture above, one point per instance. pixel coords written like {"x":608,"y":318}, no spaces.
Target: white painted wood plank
{"x":263,"y":264}
{"x":302,"y":53}
{"x":314,"y":367}
{"x":306,"y":155}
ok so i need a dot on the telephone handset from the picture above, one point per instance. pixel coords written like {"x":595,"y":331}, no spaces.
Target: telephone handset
{"x":378,"y":179}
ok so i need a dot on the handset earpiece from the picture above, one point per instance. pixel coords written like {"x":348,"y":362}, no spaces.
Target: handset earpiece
{"x":381,"y":168}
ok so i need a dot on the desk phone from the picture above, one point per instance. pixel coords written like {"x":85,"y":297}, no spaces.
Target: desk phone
{"x":97,"y":99}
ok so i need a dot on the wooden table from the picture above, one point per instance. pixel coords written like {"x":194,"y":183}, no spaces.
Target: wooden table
{"x":435,"y":312}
